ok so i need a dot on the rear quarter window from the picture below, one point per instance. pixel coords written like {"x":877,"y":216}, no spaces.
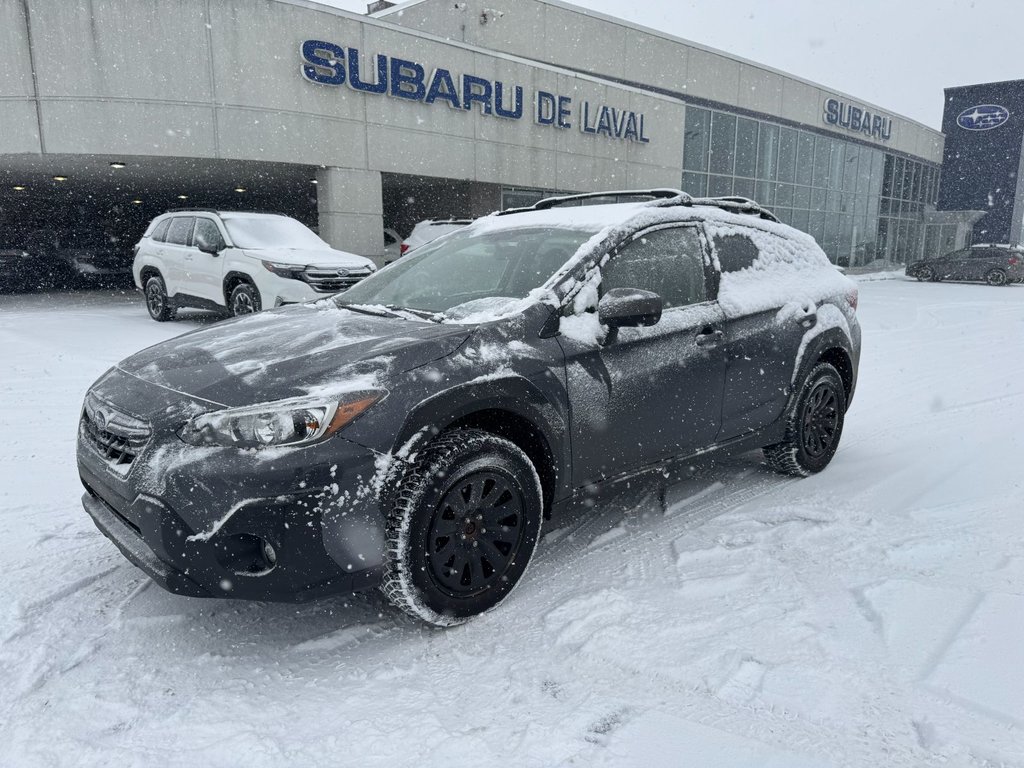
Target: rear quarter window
{"x":735,"y":251}
{"x":160,"y":233}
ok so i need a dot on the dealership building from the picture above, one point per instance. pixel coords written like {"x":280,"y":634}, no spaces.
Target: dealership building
{"x":113,"y":112}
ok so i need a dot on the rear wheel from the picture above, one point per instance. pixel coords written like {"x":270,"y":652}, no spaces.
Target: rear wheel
{"x":157,"y":301}
{"x":245,"y":300}
{"x":464,"y":524}
{"x":814,"y":425}
{"x":995,"y":277}
{"x":925,"y":274}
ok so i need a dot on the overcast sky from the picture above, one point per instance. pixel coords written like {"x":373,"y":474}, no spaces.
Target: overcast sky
{"x":898,"y":54}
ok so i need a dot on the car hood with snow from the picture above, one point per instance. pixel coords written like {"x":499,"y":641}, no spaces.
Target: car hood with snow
{"x":291,"y":352}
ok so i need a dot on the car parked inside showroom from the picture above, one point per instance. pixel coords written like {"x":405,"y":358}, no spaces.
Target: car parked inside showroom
{"x":237,"y":262}
{"x":413,"y":432}
{"x":993,"y":263}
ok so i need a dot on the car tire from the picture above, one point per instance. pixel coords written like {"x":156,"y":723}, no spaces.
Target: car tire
{"x":814,"y":425}
{"x":925,"y":275}
{"x":443,"y":562}
{"x":158,"y":303}
{"x":996,"y":277}
{"x":244,"y":300}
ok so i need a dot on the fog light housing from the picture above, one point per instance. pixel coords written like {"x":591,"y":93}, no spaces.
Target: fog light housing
{"x":245,"y":554}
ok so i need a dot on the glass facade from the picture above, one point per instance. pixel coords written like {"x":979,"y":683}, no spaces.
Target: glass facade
{"x":858,"y":202}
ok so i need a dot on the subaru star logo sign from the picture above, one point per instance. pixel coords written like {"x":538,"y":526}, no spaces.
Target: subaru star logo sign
{"x":983,"y":117}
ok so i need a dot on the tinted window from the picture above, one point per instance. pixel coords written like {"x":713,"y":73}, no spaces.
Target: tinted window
{"x":208,"y":234}
{"x":160,"y":233}
{"x":735,"y":252}
{"x":180,"y":231}
{"x":668,"y":262}
{"x":985,"y":253}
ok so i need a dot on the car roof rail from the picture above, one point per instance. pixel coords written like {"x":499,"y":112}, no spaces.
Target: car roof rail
{"x":737,"y":205}
{"x":642,"y":194}
{"x":220,"y":211}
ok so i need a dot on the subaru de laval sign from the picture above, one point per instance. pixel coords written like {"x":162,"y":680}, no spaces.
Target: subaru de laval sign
{"x":329,"y":64}
{"x":983,"y":117}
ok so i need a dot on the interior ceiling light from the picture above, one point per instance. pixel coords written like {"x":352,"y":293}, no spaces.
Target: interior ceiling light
{"x":136,"y":202}
{"x":18,"y":188}
{"x":60,"y":178}
{"x":312,"y":181}
{"x":239,"y":189}
{"x":183,"y":197}
{"x":117,"y":165}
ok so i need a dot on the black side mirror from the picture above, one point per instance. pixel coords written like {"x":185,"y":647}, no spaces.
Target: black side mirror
{"x":629,"y":307}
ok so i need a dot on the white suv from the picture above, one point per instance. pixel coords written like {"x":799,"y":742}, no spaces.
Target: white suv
{"x":237,"y":261}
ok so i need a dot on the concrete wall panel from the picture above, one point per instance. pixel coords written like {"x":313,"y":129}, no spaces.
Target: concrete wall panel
{"x":15,"y":64}
{"x":127,"y":128}
{"x":19,"y":128}
{"x":247,"y":134}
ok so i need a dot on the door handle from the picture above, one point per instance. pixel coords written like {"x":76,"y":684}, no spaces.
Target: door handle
{"x":708,"y":337}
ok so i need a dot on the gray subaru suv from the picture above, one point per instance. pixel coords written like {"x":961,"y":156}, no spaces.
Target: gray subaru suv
{"x":413,"y":432}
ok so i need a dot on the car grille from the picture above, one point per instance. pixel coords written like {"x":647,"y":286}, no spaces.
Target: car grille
{"x":118,"y":437}
{"x":333,"y":280}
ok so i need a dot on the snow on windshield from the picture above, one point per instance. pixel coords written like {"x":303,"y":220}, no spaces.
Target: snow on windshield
{"x":262,"y":232}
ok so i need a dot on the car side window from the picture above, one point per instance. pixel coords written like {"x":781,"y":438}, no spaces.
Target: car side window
{"x":735,"y":252}
{"x":207,"y":233}
{"x":180,"y":231}
{"x":668,"y":262}
{"x":160,"y":233}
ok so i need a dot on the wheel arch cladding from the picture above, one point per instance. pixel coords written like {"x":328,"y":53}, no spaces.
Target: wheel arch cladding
{"x":840,"y":360}
{"x":147,"y":272}
{"x":513,"y":408}
{"x":232,"y":280}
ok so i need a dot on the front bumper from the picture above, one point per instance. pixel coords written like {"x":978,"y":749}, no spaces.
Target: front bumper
{"x":199,"y":521}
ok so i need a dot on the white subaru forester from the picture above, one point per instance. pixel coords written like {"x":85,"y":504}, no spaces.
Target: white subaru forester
{"x":237,"y":262}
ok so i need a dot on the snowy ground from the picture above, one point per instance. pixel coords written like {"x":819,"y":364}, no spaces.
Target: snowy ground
{"x":872,"y":615}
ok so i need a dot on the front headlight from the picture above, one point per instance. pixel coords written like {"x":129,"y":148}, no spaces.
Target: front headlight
{"x":289,"y":271}
{"x":296,"y":421}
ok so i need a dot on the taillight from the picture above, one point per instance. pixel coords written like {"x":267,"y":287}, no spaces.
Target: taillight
{"x":851,"y":299}
{"x":1014,"y":261}
{"x":404,"y":247}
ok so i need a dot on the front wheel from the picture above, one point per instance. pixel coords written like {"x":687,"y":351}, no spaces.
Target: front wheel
{"x":995,"y":277}
{"x":463,"y":526}
{"x":814,"y":425}
{"x":157,"y":301}
{"x":925,"y":274}
{"x":245,"y":300}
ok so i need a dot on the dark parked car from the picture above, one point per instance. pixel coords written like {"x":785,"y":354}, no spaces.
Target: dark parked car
{"x":993,"y":263}
{"x":412,"y":432}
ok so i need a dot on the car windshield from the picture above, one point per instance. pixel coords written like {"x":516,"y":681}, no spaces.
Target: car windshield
{"x":259,"y":232}
{"x":468,"y":265}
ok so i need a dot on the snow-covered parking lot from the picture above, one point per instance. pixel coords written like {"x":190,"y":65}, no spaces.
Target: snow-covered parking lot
{"x":872,"y":615}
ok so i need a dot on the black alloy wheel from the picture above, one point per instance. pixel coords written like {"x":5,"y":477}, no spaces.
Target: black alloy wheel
{"x":463,"y":523}
{"x":996,"y":277}
{"x":157,"y":302}
{"x":925,"y":274}
{"x":476,"y":532}
{"x":820,"y":419}
{"x":244,"y":300}
{"x":814,"y":425}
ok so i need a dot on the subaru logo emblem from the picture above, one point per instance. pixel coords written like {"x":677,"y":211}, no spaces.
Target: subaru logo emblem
{"x":102,"y":418}
{"x":983,"y":117}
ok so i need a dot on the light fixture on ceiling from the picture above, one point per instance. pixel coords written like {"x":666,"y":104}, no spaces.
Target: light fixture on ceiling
{"x":312,"y":181}
{"x":60,"y":178}
{"x":19,"y":188}
{"x":183,"y":197}
{"x":136,"y":202}
{"x":239,"y":189}
{"x":117,"y":165}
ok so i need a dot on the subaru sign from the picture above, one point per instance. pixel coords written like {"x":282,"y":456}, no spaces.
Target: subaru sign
{"x":329,"y":64}
{"x":857,"y":119}
{"x":983,"y":117}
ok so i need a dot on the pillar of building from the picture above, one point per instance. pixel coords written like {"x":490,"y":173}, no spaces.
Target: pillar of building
{"x":350,"y":209}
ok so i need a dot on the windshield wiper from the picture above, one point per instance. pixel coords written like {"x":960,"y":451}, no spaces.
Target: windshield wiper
{"x":376,"y":310}
{"x":426,"y":314}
